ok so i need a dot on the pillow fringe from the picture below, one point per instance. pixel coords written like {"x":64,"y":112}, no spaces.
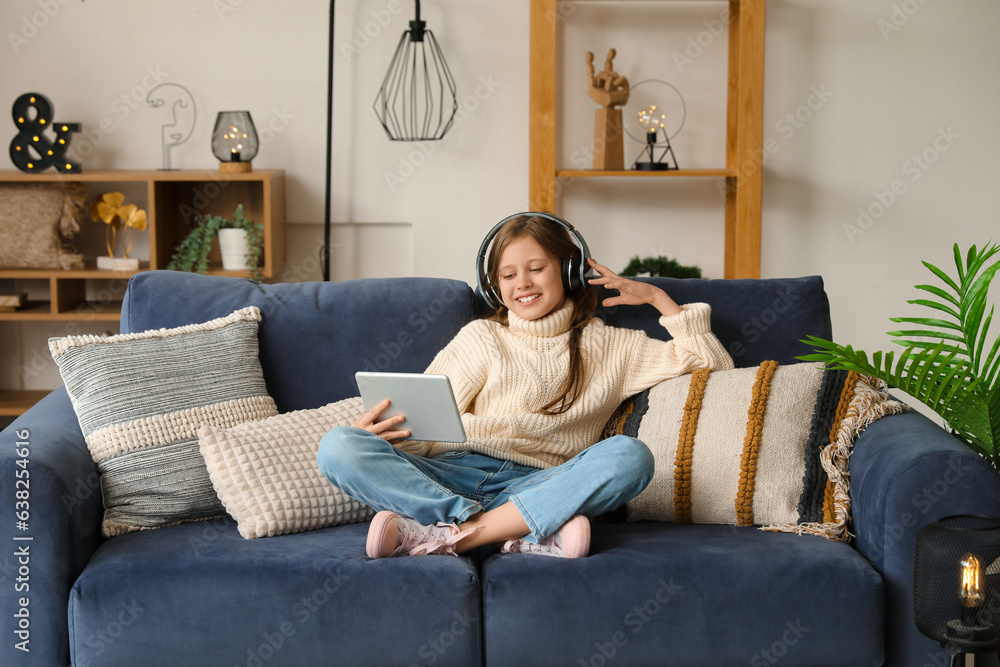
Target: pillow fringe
{"x":869,"y":403}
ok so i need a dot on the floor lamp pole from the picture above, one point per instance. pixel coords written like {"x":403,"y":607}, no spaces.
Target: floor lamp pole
{"x":325,"y":257}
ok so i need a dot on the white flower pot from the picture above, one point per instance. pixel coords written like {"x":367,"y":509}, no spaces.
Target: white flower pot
{"x":233,"y":245}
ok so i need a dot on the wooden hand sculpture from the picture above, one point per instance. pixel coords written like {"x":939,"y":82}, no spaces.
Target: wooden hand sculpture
{"x":607,"y":88}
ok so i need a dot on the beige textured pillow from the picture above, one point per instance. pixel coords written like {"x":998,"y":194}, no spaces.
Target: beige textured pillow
{"x":34,"y":219}
{"x":753,"y":446}
{"x":266,"y":474}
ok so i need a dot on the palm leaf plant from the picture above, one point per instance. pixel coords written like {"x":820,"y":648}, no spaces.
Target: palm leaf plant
{"x":947,"y":363}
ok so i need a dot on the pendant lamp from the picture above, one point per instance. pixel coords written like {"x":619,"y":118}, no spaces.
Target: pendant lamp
{"x":417,"y":99}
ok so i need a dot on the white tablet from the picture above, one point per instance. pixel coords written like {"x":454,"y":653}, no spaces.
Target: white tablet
{"x":427,"y":401}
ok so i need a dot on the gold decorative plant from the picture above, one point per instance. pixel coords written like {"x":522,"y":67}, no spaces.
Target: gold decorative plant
{"x":111,"y":209}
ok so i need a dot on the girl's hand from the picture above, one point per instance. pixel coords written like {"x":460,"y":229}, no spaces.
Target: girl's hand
{"x":381,"y":428}
{"x":632,"y":292}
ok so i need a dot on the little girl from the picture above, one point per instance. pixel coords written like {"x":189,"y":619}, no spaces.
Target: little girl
{"x":535,"y":383}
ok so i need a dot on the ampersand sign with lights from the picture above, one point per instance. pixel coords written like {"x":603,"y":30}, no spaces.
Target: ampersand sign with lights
{"x":31,"y":150}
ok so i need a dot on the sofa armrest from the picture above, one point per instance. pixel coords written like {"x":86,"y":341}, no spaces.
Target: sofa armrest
{"x":906,"y":472}
{"x":44,"y":464}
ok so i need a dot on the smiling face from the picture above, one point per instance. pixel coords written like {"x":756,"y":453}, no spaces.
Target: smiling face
{"x":530,"y":282}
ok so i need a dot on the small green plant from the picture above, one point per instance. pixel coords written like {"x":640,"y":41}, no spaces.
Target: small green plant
{"x":660,"y":266}
{"x":947,"y":364}
{"x":192,"y":253}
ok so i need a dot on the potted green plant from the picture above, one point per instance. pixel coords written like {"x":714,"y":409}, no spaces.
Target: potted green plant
{"x":192,"y":253}
{"x":947,"y":363}
{"x":660,"y":266}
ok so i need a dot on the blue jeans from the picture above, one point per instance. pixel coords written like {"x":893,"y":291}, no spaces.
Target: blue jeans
{"x":453,"y":486}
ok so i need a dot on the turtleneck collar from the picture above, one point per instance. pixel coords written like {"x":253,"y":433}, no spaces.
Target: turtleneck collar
{"x":554,"y":324}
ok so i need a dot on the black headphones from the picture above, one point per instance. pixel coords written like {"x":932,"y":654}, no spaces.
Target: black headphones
{"x":574,"y":271}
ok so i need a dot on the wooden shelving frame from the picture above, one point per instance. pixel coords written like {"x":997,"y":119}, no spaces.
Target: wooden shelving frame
{"x":172,"y":197}
{"x":744,"y":129}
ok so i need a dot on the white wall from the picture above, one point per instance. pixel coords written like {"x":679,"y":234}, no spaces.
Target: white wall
{"x":872,"y":86}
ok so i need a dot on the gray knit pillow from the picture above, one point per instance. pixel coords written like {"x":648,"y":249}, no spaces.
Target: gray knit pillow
{"x":140,"y":399}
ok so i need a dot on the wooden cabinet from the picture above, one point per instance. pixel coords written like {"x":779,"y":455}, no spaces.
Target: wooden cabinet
{"x":172,"y":200}
{"x":744,"y":129}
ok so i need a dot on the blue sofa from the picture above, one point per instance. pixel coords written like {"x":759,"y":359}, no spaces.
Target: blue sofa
{"x":649,"y":593}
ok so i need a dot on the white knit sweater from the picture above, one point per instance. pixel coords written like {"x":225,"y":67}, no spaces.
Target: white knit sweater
{"x":502,"y":376}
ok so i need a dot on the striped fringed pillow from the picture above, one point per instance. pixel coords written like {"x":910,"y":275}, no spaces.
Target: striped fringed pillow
{"x":763,"y":446}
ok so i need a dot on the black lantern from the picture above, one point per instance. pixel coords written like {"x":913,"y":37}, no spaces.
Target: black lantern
{"x":417,"y":99}
{"x":234,"y":141}
{"x":956,"y":584}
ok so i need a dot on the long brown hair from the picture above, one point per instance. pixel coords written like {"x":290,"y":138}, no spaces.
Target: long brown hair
{"x":556,"y":241}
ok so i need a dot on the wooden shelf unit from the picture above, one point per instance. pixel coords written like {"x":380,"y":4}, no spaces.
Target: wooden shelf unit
{"x":173,"y":199}
{"x":744,"y":129}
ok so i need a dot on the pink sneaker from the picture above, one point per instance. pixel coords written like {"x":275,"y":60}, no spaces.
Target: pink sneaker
{"x":393,"y":535}
{"x":572,"y":540}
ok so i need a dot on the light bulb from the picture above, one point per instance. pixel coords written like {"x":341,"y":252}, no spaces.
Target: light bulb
{"x":970,"y":581}
{"x":234,"y":138}
{"x":652,"y":121}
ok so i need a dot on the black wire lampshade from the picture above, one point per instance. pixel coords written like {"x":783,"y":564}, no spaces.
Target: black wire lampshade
{"x":234,"y":141}
{"x":956,"y":584}
{"x":417,"y":99}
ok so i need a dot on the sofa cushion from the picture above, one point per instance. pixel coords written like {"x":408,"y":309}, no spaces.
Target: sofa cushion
{"x":756,"y":320}
{"x":753,"y":446}
{"x":313,"y":336}
{"x":266,"y":474}
{"x":140,"y":399}
{"x":199,"y":594}
{"x":685,"y":595}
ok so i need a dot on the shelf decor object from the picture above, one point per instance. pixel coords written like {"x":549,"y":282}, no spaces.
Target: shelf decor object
{"x":738,"y":180}
{"x":956,"y":584}
{"x":172,"y":134}
{"x":651,"y":120}
{"x":241,"y":242}
{"x":111,"y":209}
{"x":417,"y":99}
{"x":31,"y":150}
{"x":66,"y":289}
{"x":234,"y":141}
{"x":611,"y":91}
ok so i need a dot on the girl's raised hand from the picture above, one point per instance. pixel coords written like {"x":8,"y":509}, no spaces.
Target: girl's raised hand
{"x":632,"y":292}
{"x":368,"y":422}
